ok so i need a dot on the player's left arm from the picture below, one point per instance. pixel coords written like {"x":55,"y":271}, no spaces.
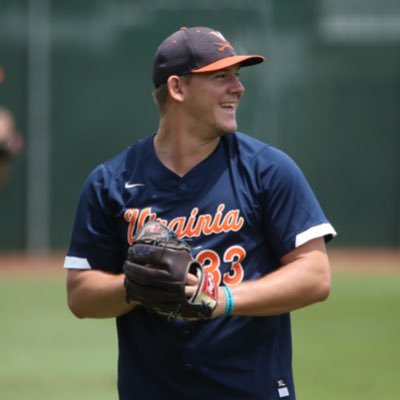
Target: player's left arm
{"x":303,"y":279}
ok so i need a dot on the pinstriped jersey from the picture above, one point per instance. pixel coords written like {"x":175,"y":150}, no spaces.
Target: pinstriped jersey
{"x":241,"y":209}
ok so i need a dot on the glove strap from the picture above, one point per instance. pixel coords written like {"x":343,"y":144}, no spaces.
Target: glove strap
{"x":229,"y":305}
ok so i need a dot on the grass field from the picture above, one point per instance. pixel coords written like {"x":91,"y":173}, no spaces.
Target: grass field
{"x":346,"y":348}
{"x":46,"y":353}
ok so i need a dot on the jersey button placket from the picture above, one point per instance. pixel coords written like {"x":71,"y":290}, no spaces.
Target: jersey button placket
{"x":188,"y":367}
{"x":188,"y":357}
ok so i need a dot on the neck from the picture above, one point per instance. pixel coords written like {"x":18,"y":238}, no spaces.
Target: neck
{"x":180,"y":149}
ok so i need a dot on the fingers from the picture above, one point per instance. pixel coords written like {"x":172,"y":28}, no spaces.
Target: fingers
{"x":191,"y":284}
{"x":192,"y":280}
{"x":190,"y":291}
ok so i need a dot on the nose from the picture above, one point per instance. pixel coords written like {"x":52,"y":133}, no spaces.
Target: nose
{"x":237,"y":86}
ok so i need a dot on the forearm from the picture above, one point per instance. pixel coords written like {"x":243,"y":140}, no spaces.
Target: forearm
{"x":303,"y":279}
{"x":96,"y":294}
{"x":282,"y":291}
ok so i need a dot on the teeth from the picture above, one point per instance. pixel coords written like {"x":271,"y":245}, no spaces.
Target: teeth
{"x":227,"y":105}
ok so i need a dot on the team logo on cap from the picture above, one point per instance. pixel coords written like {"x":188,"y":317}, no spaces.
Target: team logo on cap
{"x":224,"y":44}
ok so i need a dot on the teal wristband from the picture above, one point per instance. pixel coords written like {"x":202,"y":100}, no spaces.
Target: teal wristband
{"x":229,"y":305}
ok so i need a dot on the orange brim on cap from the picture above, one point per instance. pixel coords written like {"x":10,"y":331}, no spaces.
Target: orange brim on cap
{"x":196,"y":50}
{"x":229,"y":62}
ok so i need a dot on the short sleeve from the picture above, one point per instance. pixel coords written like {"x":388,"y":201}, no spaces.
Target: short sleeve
{"x":94,"y":242}
{"x":292,"y":213}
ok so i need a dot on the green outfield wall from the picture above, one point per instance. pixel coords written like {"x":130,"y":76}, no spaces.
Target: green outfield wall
{"x":78,"y":79}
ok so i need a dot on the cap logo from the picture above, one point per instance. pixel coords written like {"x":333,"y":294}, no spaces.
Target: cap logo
{"x":224,"y":44}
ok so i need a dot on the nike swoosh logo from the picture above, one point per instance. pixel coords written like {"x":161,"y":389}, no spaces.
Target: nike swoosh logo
{"x":132,"y":185}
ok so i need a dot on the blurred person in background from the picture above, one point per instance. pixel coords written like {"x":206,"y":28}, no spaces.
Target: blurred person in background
{"x":11,"y":143}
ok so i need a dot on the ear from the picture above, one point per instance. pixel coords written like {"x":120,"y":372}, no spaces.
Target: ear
{"x":175,"y":87}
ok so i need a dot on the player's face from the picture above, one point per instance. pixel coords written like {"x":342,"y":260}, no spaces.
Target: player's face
{"x":212,"y":100}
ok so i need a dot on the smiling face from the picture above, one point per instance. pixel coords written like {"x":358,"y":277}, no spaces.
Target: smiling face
{"x":211,"y":101}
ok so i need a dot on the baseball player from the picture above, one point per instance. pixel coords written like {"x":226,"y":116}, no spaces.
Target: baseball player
{"x":249,"y":215}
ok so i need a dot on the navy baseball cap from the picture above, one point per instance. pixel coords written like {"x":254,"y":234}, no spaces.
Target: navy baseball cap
{"x":196,"y":50}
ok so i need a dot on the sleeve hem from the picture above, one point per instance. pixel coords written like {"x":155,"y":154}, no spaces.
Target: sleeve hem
{"x":314,"y":232}
{"x":76,"y":263}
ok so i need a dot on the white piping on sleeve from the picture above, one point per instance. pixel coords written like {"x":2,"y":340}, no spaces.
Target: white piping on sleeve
{"x":315,"y":232}
{"x":76,"y":263}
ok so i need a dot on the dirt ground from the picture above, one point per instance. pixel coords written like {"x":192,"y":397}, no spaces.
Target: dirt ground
{"x":51,"y":265}
{"x":33,"y":265}
{"x":365,"y":260}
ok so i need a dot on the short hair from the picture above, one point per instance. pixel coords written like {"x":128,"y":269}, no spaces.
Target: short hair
{"x":161,"y":94}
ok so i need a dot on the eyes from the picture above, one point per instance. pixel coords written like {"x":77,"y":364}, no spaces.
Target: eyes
{"x":225,"y":75}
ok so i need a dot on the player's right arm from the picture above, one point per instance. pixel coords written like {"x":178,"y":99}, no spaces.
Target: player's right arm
{"x":96,"y":294}
{"x":95,"y":288}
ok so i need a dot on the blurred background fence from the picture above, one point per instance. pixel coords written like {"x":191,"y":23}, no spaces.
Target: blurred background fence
{"x":77,"y":76}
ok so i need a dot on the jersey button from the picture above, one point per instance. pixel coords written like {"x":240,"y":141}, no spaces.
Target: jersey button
{"x":183,"y":186}
{"x":188,"y":367}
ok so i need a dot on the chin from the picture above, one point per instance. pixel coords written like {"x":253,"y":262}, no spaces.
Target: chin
{"x":228,"y":128}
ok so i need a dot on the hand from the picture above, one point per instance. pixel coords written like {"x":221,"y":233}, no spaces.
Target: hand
{"x":163,"y":276}
{"x":191,"y":285}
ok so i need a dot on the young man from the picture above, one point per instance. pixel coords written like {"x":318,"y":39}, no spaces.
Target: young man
{"x":252,"y":221}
